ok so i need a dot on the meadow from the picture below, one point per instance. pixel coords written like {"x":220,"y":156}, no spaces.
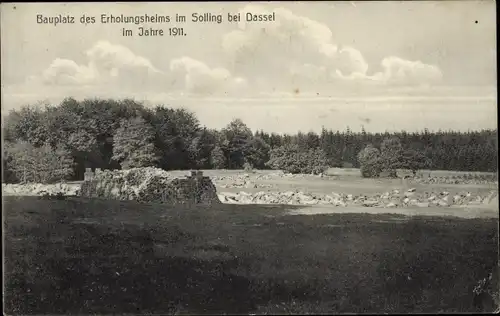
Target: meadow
{"x":81,"y":256}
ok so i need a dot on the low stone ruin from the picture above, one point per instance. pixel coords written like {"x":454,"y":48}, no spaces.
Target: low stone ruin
{"x":39,"y":189}
{"x":394,"y":198}
{"x":242,"y":181}
{"x":149,"y":185}
{"x":487,"y":179}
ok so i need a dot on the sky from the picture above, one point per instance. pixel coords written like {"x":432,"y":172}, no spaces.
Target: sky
{"x":382,"y":65}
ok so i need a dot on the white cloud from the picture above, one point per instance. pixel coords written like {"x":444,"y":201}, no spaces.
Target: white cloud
{"x":297,"y":50}
{"x":352,"y":62}
{"x":114,"y":67}
{"x":198,"y":78}
{"x":67,"y":72}
{"x":110,"y":57}
{"x":116,"y":61}
{"x":400,"y":71}
{"x":107,"y":64}
{"x":266,"y":53}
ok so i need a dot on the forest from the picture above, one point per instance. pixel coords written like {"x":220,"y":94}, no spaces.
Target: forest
{"x":44,"y":144}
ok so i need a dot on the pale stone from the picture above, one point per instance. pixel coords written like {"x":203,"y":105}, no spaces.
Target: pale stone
{"x":370,"y":203}
{"x":442,"y":203}
{"x":422,"y":204}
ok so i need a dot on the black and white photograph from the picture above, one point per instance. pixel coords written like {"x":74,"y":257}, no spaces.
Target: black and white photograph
{"x":249,"y":158}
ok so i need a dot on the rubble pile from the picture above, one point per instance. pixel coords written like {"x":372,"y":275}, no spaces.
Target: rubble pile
{"x":394,"y":198}
{"x":242,"y":181}
{"x":150,"y":185}
{"x":266,"y":176}
{"x":125,"y":184}
{"x":483,"y":179}
{"x":38,"y":189}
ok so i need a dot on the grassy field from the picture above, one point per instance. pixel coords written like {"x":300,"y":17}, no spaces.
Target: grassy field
{"x":92,"y":256}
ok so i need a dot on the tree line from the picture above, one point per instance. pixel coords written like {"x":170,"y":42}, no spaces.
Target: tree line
{"x":43,"y":144}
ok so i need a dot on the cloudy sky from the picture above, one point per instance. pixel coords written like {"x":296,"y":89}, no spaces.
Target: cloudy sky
{"x":385,"y":65}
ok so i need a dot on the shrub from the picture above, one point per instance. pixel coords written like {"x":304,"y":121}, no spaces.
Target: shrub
{"x":290,"y":159}
{"x":370,"y":162}
{"x":371,"y":168}
{"x":8,"y":176}
{"x":318,"y":161}
{"x":385,"y":163}
{"x":39,"y":164}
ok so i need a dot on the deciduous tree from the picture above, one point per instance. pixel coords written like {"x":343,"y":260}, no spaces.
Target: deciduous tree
{"x":133,"y":145}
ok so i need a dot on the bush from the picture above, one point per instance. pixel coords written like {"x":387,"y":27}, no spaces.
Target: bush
{"x":292,"y":160}
{"x":375,"y":163}
{"x":370,"y":162}
{"x":318,"y":161}
{"x":8,"y":176}
{"x":39,"y":164}
{"x":371,"y":168}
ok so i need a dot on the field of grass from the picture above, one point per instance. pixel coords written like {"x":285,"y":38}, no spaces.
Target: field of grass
{"x":93,"y":256}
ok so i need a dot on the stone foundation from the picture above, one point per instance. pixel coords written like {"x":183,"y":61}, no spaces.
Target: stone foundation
{"x":150,"y":185}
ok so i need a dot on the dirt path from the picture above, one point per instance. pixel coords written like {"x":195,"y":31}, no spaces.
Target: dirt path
{"x":479,"y":211}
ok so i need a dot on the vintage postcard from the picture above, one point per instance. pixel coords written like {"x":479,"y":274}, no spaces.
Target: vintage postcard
{"x":249,"y":157}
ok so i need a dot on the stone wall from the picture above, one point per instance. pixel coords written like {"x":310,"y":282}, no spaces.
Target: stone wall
{"x":149,"y":185}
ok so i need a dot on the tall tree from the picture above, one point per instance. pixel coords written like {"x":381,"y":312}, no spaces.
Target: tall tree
{"x":217,"y":158}
{"x":175,"y":131}
{"x":237,"y":137}
{"x":257,"y":153}
{"x":42,"y":164}
{"x":391,"y":154}
{"x":26,"y":124}
{"x":133,"y":144}
{"x":312,"y":140}
{"x":200,"y":149}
